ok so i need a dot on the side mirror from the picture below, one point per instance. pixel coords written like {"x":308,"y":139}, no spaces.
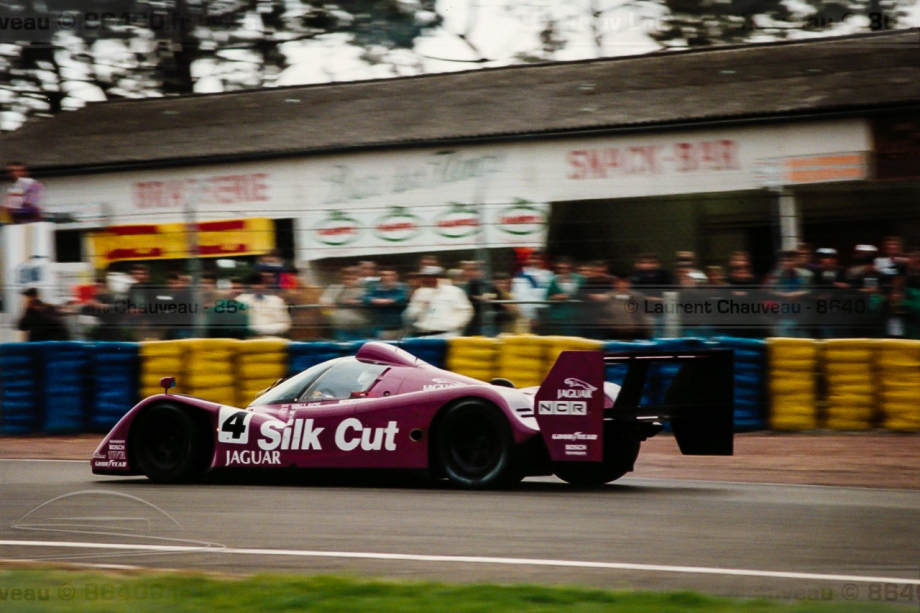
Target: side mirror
{"x":167,"y":383}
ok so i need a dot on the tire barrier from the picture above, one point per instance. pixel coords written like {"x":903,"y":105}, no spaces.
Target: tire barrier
{"x":898,"y":376}
{"x":849,"y":376}
{"x":522,"y":359}
{"x":115,"y":369}
{"x":66,"y":388}
{"x":555,"y":345}
{"x":302,"y":356}
{"x":211,"y":369}
{"x":59,"y":387}
{"x":750,"y":359}
{"x":259,"y":363}
{"x":160,"y":359}
{"x":20,"y":388}
{"x":473,"y":356}
{"x":793,"y":367}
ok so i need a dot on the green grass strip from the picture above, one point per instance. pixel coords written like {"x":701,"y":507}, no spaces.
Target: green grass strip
{"x":74,"y":591}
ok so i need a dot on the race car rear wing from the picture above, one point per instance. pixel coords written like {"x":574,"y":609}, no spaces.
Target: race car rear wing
{"x":698,"y":401}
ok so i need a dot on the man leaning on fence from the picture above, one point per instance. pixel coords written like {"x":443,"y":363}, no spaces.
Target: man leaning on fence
{"x":268,"y":313}
{"x":385,"y":302}
{"x":344,"y":304}
{"x":438,"y":308}
{"x":529,"y":287}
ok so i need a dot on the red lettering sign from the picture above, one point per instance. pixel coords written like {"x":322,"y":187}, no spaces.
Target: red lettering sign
{"x":457,"y":223}
{"x":711,"y":155}
{"x":337,"y":231}
{"x":393,"y":227}
{"x":222,"y":189}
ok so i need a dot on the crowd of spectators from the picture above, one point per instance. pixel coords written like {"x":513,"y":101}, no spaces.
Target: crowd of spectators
{"x":807,"y":293}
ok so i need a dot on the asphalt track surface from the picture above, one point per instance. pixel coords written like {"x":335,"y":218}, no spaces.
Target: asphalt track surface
{"x":781,"y":541}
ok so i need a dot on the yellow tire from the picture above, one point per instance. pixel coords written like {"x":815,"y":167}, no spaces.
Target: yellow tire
{"x":197,"y":368}
{"x":262,"y":371}
{"x":210,"y":380}
{"x":263,"y":345}
{"x":151,"y":349}
{"x":792,"y":386}
{"x":168,"y":365}
{"x":793,"y":422}
{"x":466,"y":343}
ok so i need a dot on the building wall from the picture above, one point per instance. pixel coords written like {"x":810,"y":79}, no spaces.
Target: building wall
{"x":364,"y":187}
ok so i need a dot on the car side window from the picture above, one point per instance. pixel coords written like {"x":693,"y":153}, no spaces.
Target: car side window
{"x":343,"y":380}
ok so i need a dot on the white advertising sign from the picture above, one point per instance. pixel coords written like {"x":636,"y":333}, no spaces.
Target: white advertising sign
{"x":349,"y":231}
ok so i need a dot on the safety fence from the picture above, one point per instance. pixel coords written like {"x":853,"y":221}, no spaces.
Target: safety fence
{"x":781,"y":383}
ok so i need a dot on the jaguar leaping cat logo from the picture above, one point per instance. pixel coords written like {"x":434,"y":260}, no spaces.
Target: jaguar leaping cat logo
{"x":573,"y":382}
{"x":577,"y":389}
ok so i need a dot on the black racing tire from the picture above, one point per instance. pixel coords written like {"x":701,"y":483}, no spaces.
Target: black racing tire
{"x":619,"y":457}
{"x":475,"y":447}
{"x":169,"y":445}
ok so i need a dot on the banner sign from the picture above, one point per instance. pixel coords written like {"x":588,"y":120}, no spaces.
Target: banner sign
{"x":345,"y":232}
{"x":825,"y":168}
{"x":224,"y":238}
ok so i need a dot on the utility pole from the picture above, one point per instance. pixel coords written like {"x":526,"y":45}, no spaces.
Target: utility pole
{"x":483,"y":254}
{"x":194,"y":259}
{"x":789,"y":221}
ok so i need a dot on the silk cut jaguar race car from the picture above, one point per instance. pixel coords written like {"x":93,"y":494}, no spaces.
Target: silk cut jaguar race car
{"x":385,"y":409}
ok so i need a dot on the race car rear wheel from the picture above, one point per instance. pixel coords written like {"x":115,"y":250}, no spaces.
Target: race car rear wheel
{"x":168,"y":445}
{"x":620,"y":455}
{"x":475,"y":447}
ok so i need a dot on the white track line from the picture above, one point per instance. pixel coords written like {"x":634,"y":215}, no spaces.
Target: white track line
{"x":407,"y":557}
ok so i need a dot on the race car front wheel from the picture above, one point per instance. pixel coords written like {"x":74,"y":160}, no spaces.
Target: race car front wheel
{"x":168,"y":445}
{"x":475,"y":447}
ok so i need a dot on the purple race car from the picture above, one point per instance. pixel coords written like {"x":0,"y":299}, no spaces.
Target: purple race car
{"x":384,"y":408}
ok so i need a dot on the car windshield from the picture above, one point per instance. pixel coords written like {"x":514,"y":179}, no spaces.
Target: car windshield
{"x":344,"y":379}
{"x":291,"y":389}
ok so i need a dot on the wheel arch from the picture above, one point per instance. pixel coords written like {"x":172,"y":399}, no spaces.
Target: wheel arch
{"x":434,"y":465}
{"x":205,"y":420}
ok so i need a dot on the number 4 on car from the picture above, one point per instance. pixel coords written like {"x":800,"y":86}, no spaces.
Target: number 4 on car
{"x":386,"y":409}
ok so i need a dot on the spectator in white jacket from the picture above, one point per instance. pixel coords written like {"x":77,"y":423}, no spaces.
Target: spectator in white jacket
{"x":438,"y":308}
{"x":530,"y":285}
{"x":268,"y":313}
